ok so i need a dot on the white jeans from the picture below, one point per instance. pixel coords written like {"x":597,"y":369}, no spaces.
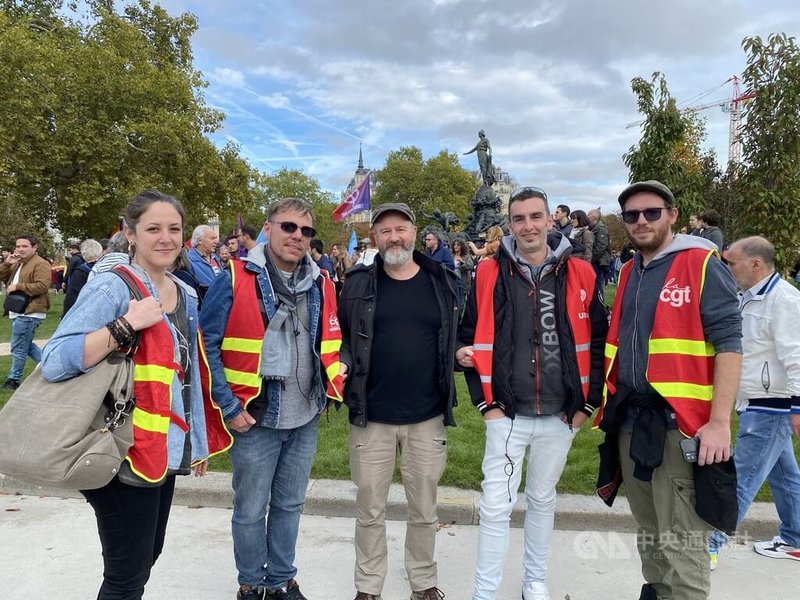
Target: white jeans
{"x":549,"y":440}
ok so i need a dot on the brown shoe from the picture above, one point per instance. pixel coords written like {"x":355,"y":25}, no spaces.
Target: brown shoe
{"x":365,"y":596}
{"x":433,"y":593}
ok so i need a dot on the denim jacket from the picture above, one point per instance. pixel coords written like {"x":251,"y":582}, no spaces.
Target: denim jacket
{"x":214,"y":320}
{"x":104,"y":298}
{"x":202,"y":271}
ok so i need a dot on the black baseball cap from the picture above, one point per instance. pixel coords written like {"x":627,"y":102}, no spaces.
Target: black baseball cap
{"x":651,"y":185}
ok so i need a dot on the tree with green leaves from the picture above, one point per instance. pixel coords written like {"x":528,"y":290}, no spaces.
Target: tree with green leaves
{"x":438,"y":182}
{"x":97,"y":105}
{"x":769,"y":178}
{"x":669,"y":148}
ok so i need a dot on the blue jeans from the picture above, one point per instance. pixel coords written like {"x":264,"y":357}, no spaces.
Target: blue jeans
{"x":22,"y":331}
{"x":764,"y":452}
{"x":270,"y":467}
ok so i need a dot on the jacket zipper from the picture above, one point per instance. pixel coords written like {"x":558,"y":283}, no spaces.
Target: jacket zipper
{"x":533,"y":293}
{"x":636,"y":328}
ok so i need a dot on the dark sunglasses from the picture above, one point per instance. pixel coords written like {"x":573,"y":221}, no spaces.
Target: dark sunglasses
{"x":650,"y":214}
{"x":290,"y":228}
{"x":529,"y":192}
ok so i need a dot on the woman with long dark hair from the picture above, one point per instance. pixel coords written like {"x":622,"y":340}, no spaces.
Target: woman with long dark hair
{"x":465,"y":264}
{"x":582,"y":234}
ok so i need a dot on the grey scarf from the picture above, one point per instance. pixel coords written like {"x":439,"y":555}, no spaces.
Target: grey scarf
{"x":276,"y":349}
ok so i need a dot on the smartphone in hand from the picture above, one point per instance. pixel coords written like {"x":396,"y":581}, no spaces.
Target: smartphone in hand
{"x":690,"y":447}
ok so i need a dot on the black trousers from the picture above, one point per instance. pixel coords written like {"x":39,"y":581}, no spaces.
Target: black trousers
{"x":132,"y":522}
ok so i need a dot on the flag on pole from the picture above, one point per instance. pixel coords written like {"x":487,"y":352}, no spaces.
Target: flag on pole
{"x":351,"y":245}
{"x":358,"y":201}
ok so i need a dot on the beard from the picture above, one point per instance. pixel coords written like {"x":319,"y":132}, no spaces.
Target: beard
{"x":654,"y":243}
{"x":397,"y":256}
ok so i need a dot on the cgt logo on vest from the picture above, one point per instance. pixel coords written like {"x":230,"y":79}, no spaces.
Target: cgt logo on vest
{"x":583,"y":314}
{"x":333,"y":323}
{"x":674,"y":294}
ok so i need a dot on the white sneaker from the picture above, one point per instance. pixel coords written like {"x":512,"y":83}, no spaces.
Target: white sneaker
{"x":777,"y":548}
{"x":536,"y":590}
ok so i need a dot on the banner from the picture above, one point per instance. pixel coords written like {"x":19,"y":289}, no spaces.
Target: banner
{"x":358,"y":201}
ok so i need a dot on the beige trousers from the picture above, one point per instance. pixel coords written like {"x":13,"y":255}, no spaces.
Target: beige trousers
{"x":423,"y":455}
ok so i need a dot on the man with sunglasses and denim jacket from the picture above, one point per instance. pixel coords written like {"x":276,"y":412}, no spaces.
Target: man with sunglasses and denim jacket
{"x":531,"y":342}
{"x":270,"y":340}
{"x":673,"y":358}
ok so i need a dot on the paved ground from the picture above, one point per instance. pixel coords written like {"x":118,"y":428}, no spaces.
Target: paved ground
{"x":5,"y":347}
{"x":50,"y":549}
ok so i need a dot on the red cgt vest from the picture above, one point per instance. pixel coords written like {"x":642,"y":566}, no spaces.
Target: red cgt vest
{"x":153,"y":373}
{"x":244,"y":334}
{"x":581,"y":281}
{"x":680,"y":364}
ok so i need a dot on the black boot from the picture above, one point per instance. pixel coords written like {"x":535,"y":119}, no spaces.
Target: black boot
{"x":11,"y":384}
{"x":648,"y":592}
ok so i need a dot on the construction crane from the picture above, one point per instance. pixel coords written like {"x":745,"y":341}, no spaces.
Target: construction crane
{"x":733,"y":106}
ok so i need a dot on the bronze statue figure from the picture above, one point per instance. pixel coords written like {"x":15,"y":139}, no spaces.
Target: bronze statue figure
{"x":484,"y":150}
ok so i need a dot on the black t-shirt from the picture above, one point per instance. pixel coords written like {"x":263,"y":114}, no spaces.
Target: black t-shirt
{"x":403,"y":384}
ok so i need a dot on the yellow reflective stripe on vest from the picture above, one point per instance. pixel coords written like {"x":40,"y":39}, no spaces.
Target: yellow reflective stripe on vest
{"x":679,"y":389}
{"x":149,"y":421}
{"x":332,"y":370}
{"x":679,"y":346}
{"x":328,"y":346}
{"x":241,"y":345}
{"x":234,"y":377}
{"x":153,"y":373}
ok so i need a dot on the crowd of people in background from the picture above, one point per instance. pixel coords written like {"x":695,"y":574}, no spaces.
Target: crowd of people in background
{"x":288,"y":324}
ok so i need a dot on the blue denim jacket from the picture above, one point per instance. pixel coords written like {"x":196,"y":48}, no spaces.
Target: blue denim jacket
{"x":202,"y":271}
{"x":214,"y":319}
{"x":103,"y":299}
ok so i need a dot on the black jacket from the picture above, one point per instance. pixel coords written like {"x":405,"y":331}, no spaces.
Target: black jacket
{"x":503,"y":356}
{"x":356,"y":318}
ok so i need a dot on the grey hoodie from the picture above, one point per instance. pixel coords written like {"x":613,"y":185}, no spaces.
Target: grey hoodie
{"x":719,"y":310}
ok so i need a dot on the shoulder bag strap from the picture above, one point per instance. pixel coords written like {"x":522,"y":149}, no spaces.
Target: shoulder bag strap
{"x":136,"y":294}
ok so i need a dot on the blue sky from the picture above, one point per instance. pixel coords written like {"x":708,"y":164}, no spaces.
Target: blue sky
{"x":304,"y":82}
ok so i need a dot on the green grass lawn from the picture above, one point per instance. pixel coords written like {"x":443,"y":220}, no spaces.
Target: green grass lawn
{"x":465,"y":442}
{"x":48,"y":326}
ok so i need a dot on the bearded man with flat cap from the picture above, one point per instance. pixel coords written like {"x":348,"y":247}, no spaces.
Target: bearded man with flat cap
{"x":398,"y":319}
{"x":673,"y":358}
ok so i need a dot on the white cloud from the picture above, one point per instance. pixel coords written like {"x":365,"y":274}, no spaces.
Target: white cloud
{"x":228,"y":77}
{"x":305,"y":82}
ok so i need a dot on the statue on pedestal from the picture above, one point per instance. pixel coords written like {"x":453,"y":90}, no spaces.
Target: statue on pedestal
{"x":484,"y":150}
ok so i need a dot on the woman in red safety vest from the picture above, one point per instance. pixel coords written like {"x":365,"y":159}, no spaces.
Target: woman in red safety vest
{"x":174,"y":430}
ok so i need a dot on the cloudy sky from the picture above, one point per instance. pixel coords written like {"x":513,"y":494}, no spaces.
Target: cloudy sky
{"x":303,"y":82}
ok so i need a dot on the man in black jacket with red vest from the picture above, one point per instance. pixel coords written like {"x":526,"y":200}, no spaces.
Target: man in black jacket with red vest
{"x":532,"y":342}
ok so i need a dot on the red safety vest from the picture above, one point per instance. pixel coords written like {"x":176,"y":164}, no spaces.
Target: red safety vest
{"x":240,"y":350}
{"x":153,"y":373}
{"x":581,"y":281}
{"x":680,"y":362}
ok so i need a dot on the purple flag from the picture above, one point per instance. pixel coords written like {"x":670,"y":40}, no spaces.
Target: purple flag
{"x":358,"y":201}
